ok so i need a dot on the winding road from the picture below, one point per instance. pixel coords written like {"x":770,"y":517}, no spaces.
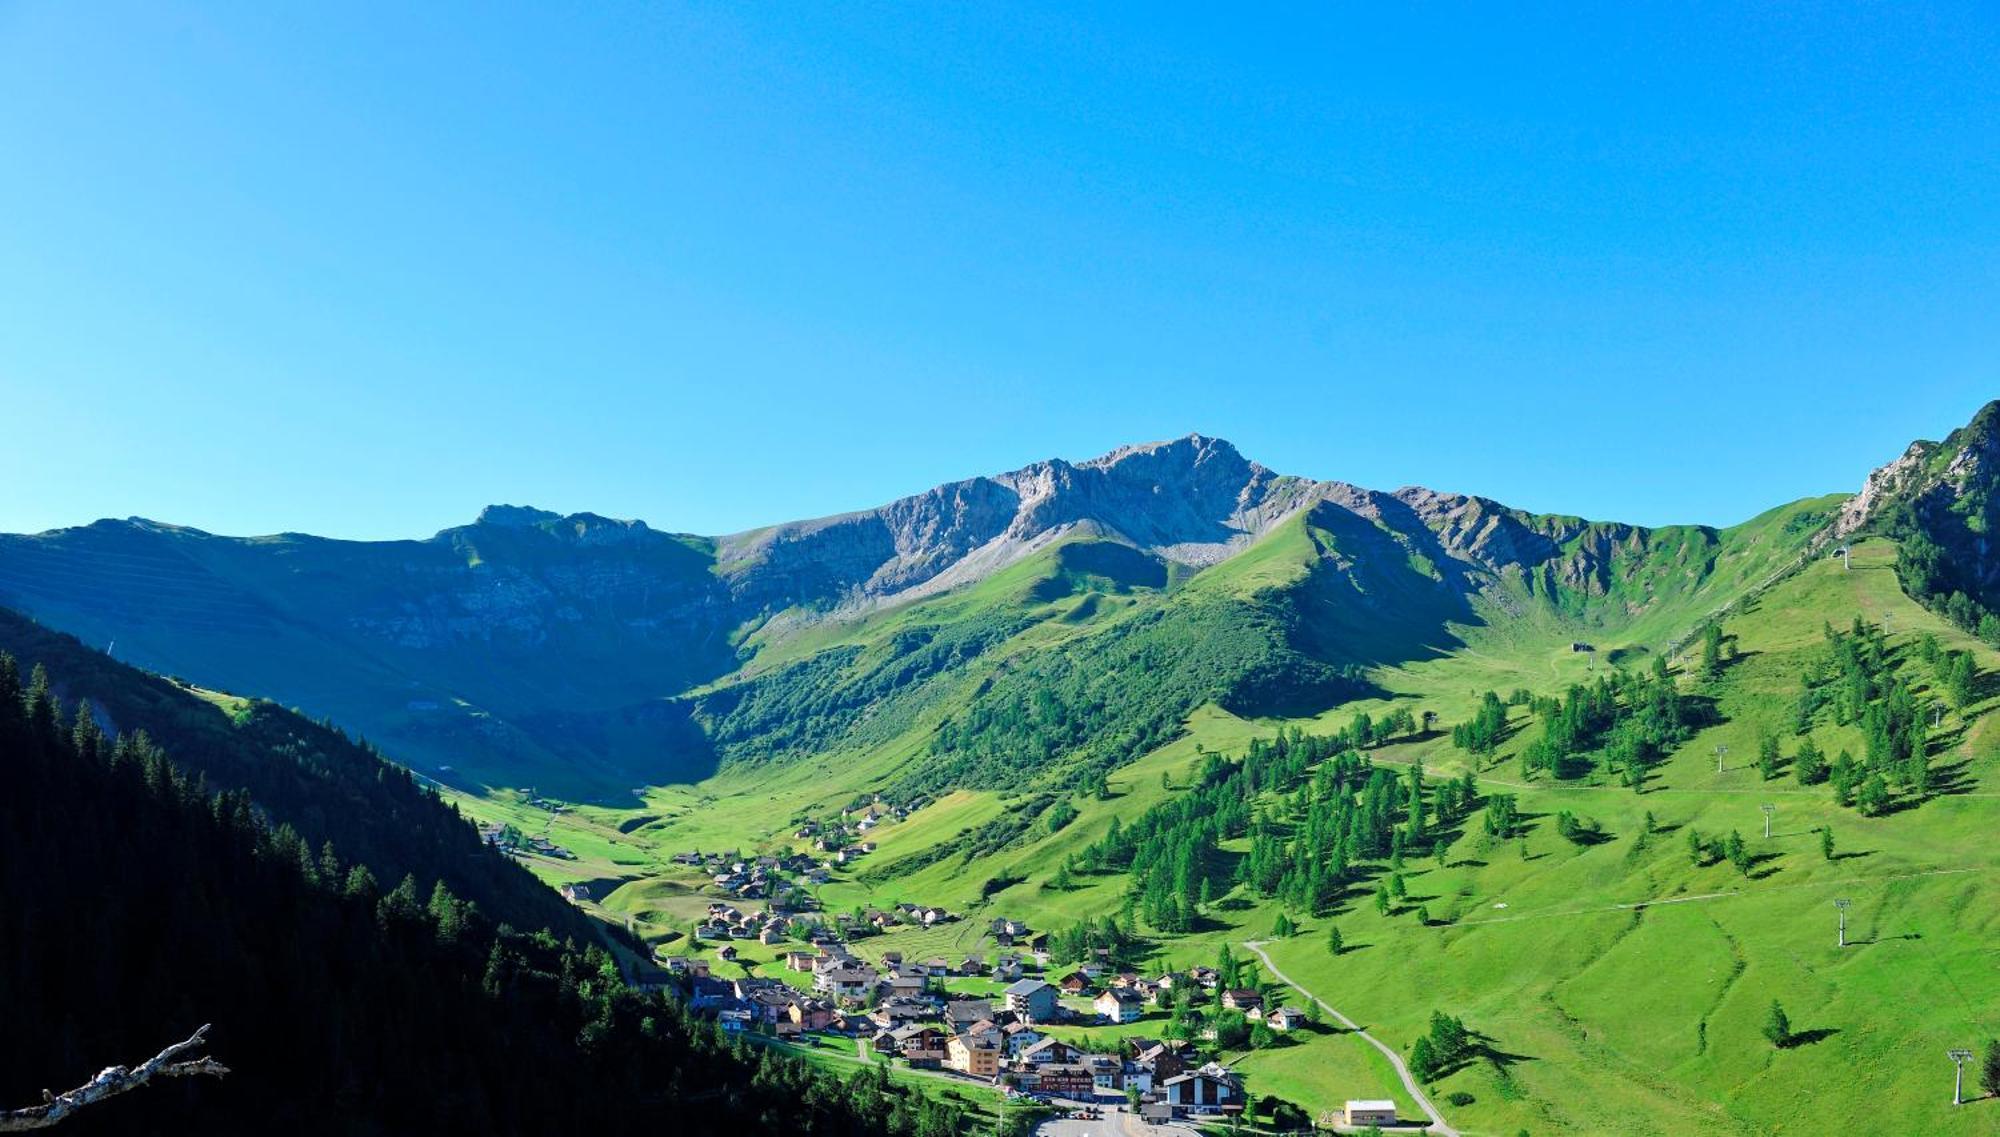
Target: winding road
{"x":1416,"y":1092}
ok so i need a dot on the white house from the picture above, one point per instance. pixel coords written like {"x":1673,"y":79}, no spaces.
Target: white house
{"x":1120,"y":1005}
{"x":1371,"y":1113}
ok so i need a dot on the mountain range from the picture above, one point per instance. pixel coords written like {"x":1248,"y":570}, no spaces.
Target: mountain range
{"x":590,"y":654}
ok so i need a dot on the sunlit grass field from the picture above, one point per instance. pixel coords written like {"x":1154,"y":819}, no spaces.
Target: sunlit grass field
{"x":1621,"y":987}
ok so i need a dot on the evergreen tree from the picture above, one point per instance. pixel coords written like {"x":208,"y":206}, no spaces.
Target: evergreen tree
{"x":1873,"y":796}
{"x":360,"y":884}
{"x":1989,"y":1068}
{"x":1778,"y":1028}
{"x":1826,"y":842}
{"x":1809,"y":764}
{"x":1423,"y":1059}
{"x":1334,"y":943}
{"x":1711,"y":651}
{"x":1737,"y":852}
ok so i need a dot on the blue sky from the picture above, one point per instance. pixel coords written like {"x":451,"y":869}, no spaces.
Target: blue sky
{"x":362,"y":271}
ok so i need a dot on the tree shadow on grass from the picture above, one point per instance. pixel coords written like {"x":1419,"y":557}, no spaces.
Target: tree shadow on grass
{"x":1761,"y":868}
{"x":1953,"y":779}
{"x":1902,"y":803}
{"x":1810,"y":1037}
{"x":1482,"y":1048}
{"x":1885,"y":939}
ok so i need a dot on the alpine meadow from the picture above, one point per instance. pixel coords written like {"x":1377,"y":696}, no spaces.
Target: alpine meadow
{"x":705,"y":569}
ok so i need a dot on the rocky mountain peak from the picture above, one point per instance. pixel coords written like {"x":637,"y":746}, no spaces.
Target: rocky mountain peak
{"x":1928,"y":475}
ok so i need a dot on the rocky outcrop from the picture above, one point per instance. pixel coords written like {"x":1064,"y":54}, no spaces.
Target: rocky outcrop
{"x":1897,"y":481}
{"x":1930,"y":479}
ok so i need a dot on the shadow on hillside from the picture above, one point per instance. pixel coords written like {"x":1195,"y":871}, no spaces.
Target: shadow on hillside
{"x":1810,"y":1037}
{"x":1321,"y":1029}
{"x":1483,"y":1048}
{"x":1590,"y":838}
{"x":1985,"y":684}
{"x":1885,"y":939}
{"x":1729,"y":663}
{"x":1761,"y":868}
{"x":1953,"y":779}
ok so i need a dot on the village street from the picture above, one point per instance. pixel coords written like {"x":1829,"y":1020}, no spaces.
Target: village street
{"x":1115,"y":1122}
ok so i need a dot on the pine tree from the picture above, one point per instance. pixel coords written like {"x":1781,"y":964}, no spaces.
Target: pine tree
{"x":1826,"y":842}
{"x":1737,"y":852}
{"x":1423,"y":1059}
{"x":1711,"y":651}
{"x":1777,"y":1027}
{"x":1334,"y":944}
{"x":1989,"y":1068}
{"x":360,"y":884}
{"x":1873,"y":796}
{"x":1809,"y":765}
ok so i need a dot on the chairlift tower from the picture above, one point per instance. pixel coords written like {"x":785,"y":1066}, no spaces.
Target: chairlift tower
{"x":1842,"y":906}
{"x":1768,"y":811}
{"x":1958,"y":1059}
{"x":1846,"y":560}
{"x":1719,"y":752}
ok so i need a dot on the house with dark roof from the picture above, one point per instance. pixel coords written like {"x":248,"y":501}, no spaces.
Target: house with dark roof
{"x":1211,"y":1089}
{"x":1120,"y":1005}
{"x":1032,"y":999}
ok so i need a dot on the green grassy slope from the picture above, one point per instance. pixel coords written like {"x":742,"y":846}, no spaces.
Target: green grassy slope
{"x":1627,"y":984}
{"x":1633,"y":984}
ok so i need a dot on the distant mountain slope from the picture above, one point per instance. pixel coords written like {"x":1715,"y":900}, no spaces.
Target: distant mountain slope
{"x":585,"y":655}
{"x":301,"y":774}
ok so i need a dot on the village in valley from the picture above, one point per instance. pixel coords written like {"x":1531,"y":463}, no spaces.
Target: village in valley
{"x":1009,"y":1021}
{"x":1068,"y":1030}
{"x":978,"y":1001}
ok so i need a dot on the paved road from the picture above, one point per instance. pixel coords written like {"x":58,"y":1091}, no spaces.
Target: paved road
{"x":1416,"y":1092}
{"x":1114,"y":1123}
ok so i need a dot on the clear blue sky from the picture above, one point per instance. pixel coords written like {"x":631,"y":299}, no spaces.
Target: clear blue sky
{"x":364,"y":271}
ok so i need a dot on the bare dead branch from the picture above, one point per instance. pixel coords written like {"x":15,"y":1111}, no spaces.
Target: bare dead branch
{"x":113,"y":1080}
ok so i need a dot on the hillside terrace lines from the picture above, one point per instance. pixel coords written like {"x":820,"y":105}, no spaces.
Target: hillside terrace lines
{"x":1556,"y":786}
{"x":1724,"y":894}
